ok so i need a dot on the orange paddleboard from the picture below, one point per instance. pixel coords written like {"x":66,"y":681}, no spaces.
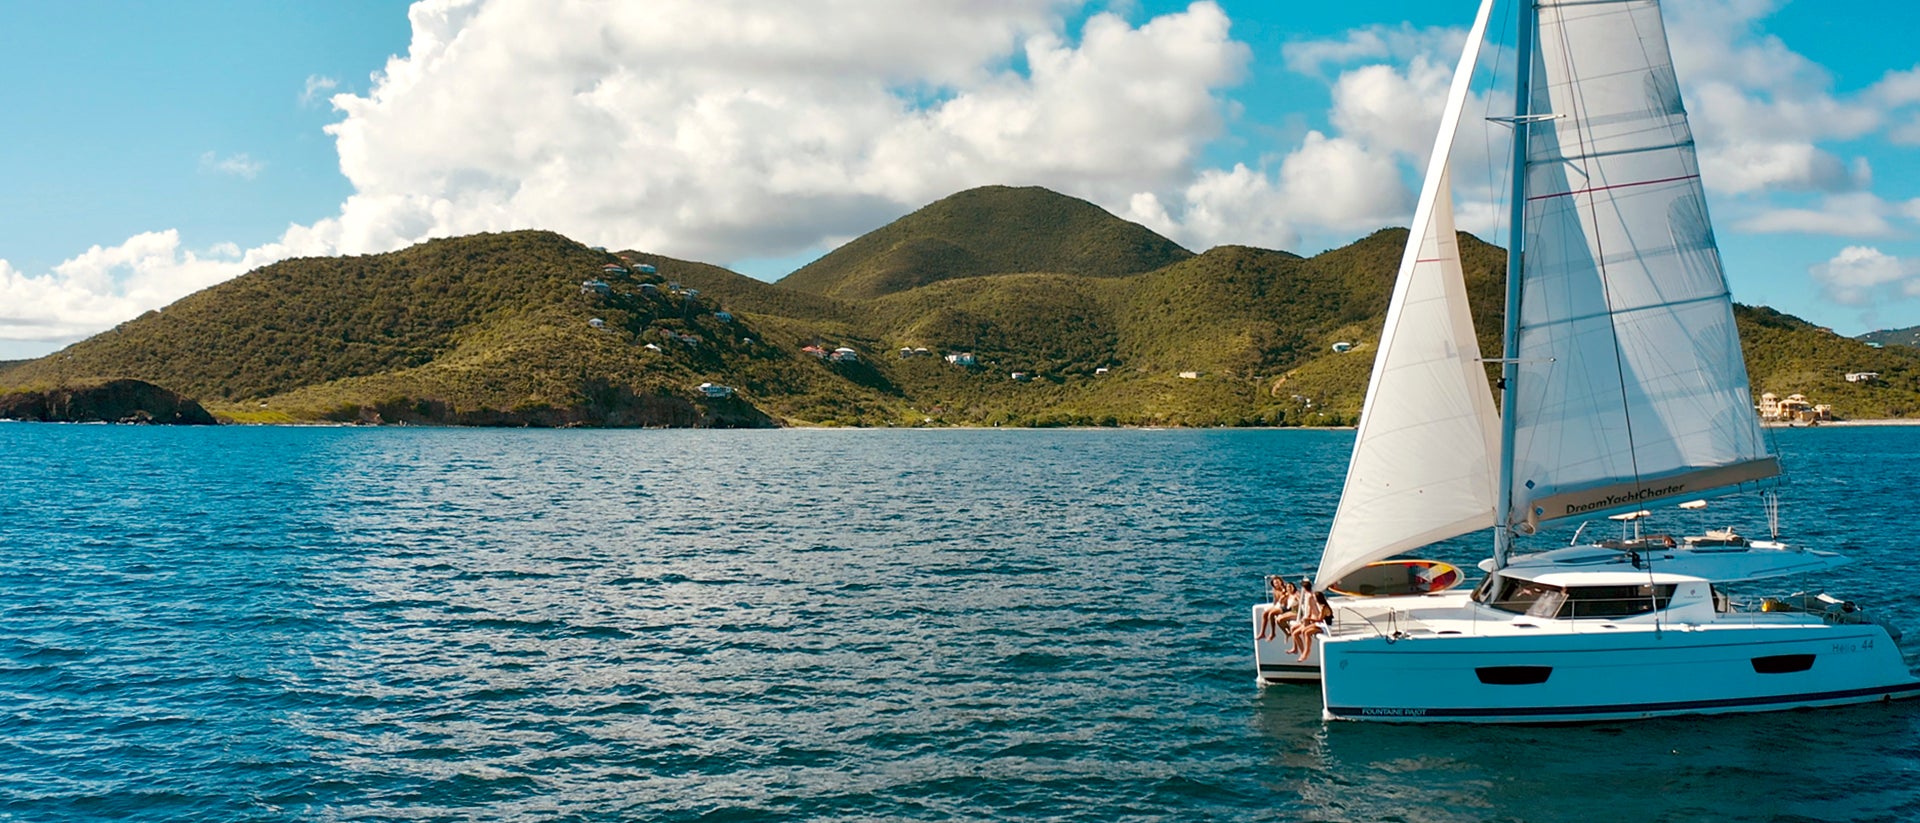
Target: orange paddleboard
{"x":1391,"y":577}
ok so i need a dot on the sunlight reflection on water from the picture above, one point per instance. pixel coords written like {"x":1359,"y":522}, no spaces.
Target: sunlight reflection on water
{"x":448,"y":624}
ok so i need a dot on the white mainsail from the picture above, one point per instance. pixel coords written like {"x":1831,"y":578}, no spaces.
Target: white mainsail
{"x":1423,"y":455}
{"x":1631,"y":387}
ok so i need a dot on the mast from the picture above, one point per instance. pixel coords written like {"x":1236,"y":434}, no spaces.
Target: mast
{"x":1516,"y":234}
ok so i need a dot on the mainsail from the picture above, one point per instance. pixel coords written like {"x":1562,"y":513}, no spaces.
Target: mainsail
{"x":1423,"y":455}
{"x":1631,"y":387}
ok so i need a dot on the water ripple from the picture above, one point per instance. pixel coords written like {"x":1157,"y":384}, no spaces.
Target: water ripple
{"x":334,"y":624}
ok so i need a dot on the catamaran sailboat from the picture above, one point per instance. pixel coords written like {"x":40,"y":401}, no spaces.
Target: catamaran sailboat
{"x":1623,"y":389}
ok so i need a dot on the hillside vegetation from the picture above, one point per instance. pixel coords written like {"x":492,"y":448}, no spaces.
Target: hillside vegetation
{"x":1104,"y":323}
{"x":983,"y":231}
{"x":1909,"y":337}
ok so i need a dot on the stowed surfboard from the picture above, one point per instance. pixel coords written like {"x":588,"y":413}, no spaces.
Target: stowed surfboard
{"x":1398,"y":577}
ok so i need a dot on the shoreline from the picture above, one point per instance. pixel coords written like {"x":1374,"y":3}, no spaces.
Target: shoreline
{"x":1863,"y":422}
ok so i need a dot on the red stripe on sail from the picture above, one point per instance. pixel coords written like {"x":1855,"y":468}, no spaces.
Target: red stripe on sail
{"x":1614,"y":186}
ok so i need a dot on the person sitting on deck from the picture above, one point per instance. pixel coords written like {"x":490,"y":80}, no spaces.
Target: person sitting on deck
{"x":1297,"y":611}
{"x":1274,"y":622}
{"x":1314,"y":611}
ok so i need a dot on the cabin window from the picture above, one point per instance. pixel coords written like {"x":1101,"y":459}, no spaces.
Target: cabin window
{"x":1617,"y":601}
{"x":1521,"y":596}
{"x":1536,"y":599}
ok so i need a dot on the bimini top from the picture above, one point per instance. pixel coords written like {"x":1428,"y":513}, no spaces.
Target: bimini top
{"x":1720,"y":564}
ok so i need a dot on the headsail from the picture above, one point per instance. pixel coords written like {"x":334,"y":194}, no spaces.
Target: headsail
{"x":1631,"y":384}
{"x":1422,"y":467}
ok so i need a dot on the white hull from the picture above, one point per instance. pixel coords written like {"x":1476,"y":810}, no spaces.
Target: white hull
{"x":1631,"y":674}
{"x":1443,"y":658}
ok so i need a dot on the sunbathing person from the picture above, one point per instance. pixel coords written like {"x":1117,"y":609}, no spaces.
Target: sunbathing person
{"x":1314,"y":612}
{"x":1274,"y":622}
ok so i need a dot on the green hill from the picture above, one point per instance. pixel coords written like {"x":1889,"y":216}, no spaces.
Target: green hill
{"x":1909,"y":337}
{"x":1105,"y":324}
{"x":983,"y":231}
{"x":1787,"y":355}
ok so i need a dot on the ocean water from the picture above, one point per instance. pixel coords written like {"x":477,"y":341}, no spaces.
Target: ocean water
{"x":259,"y":623}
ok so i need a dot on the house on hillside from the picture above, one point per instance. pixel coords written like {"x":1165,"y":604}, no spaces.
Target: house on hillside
{"x":613,"y":268}
{"x":716,"y":390}
{"x":816,"y":351}
{"x":845,"y":355}
{"x":646,"y":268}
{"x":1862,"y":376}
{"x":1189,"y":375}
{"x":961,"y":358}
{"x":1100,"y":371}
{"x":597,"y":323}
{"x":723,"y":316}
{"x":1020,"y":377}
{"x":1794,"y":408}
{"x":599,"y":287}
{"x":649,"y":288}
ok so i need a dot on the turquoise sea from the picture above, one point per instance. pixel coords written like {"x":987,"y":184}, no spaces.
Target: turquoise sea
{"x":263,"y":623}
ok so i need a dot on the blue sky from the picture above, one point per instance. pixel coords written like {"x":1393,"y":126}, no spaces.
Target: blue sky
{"x":154,"y":149}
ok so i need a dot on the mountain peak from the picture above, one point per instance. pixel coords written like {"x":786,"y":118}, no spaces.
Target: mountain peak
{"x":983,"y":231}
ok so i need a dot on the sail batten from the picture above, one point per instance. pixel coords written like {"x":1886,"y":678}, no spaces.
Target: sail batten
{"x":1629,"y":372}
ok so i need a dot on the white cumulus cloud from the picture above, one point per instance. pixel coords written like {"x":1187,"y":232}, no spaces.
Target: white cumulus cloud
{"x":758,"y":129}
{"x":1860,"y":274}
{"x":105,"y":285}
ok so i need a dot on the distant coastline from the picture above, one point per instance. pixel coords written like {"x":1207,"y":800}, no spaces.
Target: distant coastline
{"x":1871,"y":421}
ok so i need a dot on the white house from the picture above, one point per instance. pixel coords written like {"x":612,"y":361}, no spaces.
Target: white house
{"x":716,"y":390}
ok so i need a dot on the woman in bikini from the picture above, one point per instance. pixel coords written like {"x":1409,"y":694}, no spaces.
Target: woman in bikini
{"x":1274,"y":622}
{"x":1314,"y":611}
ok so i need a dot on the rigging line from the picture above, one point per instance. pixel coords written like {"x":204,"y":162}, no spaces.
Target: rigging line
{"x":1582,"y":132}
{"x":1486,"y":110}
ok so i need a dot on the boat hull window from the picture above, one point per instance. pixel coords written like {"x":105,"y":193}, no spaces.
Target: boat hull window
{"x":1782,"y":663}
{"x":1514,"y":675}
